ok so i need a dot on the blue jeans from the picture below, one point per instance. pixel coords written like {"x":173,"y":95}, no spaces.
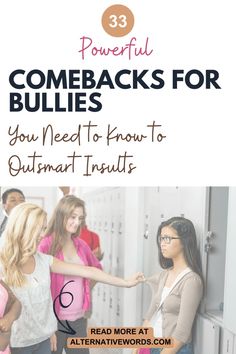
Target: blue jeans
{"x":40,"y":348}
{"x":186,"y":349}
{"x":80,"y":326}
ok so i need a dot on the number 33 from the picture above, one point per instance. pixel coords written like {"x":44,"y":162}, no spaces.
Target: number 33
{"x":120,"y":21}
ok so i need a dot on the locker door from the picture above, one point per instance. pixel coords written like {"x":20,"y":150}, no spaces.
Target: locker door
{"x":107,"y":292}
{"x":193,"y":206}
{"x":119,"y":318}
{"x":227,"y":339}
{"x":207,"y":335}
{"x":117,"y":251}
{"x":151,"y":221}
{"x":96,"y":295}
{"x":216,"y":250}
{"x":120,"y":254}
{"x":112,"y":289}
{"x":160,"y":203}
{"x":169,"y":200}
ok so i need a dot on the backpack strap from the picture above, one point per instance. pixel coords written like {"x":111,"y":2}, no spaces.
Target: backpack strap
{"x":177,"y":281}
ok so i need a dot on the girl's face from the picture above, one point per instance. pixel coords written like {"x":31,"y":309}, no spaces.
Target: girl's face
{"x":171,"y":246}
{"x":74,"y":220}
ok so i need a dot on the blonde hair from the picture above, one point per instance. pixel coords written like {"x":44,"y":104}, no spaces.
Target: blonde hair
{"x":57,"y":224}
{"x":22,"y":233}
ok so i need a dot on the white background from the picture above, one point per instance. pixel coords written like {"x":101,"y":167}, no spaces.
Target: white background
{"x":199,"y":124}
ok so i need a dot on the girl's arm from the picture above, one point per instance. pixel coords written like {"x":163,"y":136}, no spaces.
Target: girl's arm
{"x":190,"y":298}
{"x":4,"y":340}
{"x":94,"y":274}
{"x":7,"y":320}
{"x":12,"y":312}
{"x":98,"y":253}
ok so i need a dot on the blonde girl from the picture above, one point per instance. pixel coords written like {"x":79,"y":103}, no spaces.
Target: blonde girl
{"x":27,"y":272}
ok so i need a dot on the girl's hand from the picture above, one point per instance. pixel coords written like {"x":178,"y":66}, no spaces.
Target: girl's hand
{"x":135,"y":351}
{"x":53,"y":342}
{"x":6,"y":323}
{"x":169,"y":351}
{"x":146,"y":323}
{"x":135,"y":279}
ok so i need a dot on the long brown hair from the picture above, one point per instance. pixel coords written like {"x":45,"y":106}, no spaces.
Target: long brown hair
{"x":57,"y":224}
{"x":187,"y":234}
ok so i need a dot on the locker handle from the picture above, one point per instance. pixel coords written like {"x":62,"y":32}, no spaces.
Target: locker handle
{"x":120,"y":228}
{"x":208,"y":244}
{"x":118,"y":310}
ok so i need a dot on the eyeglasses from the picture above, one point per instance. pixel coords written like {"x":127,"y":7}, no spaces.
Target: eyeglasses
{"x":166,"y":239}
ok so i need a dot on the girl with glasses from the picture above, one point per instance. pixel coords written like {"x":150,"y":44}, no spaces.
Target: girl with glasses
{"x":177,"y":290}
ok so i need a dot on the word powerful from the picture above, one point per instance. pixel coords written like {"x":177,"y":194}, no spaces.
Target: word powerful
{"x":129,"y":49}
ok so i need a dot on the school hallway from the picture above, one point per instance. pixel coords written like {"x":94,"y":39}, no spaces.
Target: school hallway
{"x":126,"y":220}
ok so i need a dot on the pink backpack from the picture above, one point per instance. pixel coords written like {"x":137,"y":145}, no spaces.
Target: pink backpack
{"x":144,"y":351}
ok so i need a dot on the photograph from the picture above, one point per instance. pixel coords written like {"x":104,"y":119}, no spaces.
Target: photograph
{"x":162,"y":257}
{"x":117,"y":180}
